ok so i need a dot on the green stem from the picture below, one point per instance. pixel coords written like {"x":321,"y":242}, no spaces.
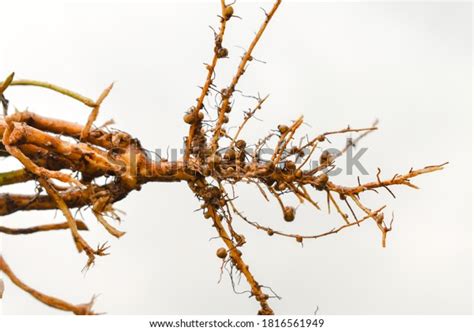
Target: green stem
{"x":14,"y":177}
{"x":59,"y":89}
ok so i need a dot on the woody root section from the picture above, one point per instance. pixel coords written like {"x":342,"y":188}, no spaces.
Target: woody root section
{"x":76,"y":166}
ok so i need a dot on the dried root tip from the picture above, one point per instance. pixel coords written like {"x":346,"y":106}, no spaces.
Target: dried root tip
{"x":221,"y":253}
{"x":86,"y":308}
{"x":228,"y":12}
{"x":289,"y":214}
{"x":6,"y":82}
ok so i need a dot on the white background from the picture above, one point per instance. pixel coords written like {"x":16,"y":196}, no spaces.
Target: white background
{"x":407,"y":64}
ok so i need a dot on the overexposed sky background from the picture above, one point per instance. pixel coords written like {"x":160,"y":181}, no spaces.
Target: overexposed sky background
{"x":338,"y":63}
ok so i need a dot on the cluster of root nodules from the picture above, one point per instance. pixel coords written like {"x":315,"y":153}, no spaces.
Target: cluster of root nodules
{"x":66,"y":161}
